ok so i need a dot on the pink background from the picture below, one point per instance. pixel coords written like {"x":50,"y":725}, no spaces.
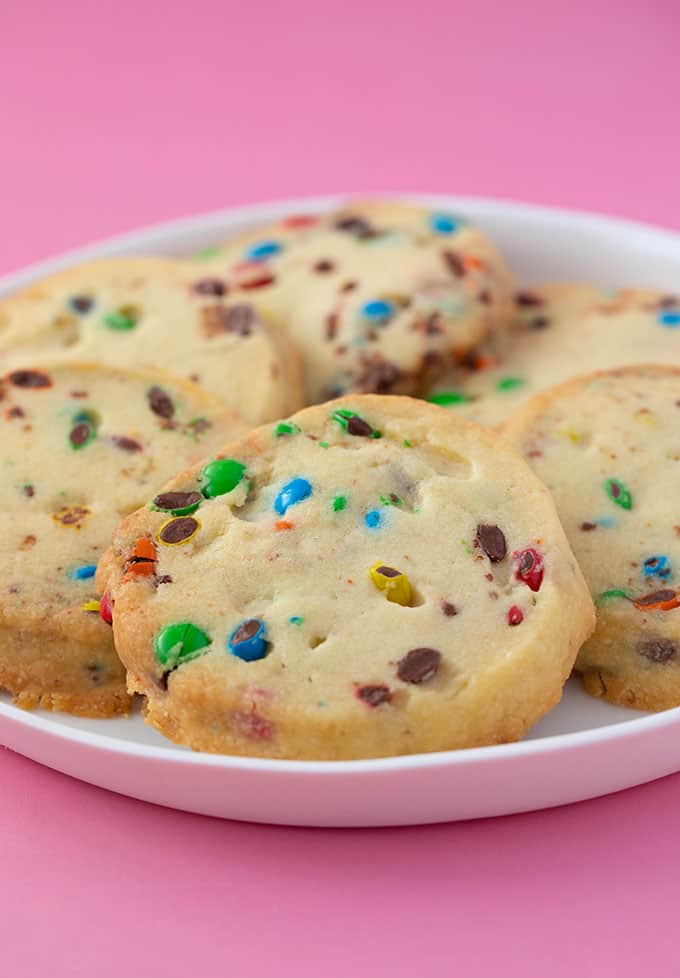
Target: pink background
{"x":113,"y":116}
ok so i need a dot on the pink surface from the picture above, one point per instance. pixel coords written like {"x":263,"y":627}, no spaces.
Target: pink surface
{"x":119,"y":115}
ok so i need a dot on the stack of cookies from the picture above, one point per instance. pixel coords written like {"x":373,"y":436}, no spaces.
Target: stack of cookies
{"x":337,"y":489}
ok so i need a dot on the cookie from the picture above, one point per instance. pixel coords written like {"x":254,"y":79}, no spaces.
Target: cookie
{"x":370,"y":577}
{"x":80,"y":448}
{"x":607,"y":447}
{"x":378,"y":297}
{"x":561,"y":331}
{"x":162,"y":313}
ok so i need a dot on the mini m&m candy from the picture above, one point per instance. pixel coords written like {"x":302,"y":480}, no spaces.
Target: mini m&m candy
{"x":529,"y":567}
{"x":393,"y":582}
{"x":294,"y":492}
{"x":248,"y":641}
{"x":354,"y":424}
{"x":221,"y":476}
{"x":179,"y":643}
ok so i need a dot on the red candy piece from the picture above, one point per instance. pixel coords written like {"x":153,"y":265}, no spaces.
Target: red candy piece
{"x":299,"y":221}
{"x":253,"y":726}
{"x":529,"y":567}
{"x":515,"y":615}
{"x":106,"y":608}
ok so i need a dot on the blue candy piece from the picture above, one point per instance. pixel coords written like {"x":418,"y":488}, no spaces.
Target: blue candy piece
{"x":669,"y":318}
{"x":657,"y":566}
{"x":292,"y":493}
{"x":378,"y":311}
{"x":373,"y":519}
{"x":262,"y":249}
{"x":84,"y":573}
{"x":443,"y":223}
{"x":606,"y":521}
{"x":248,"y":641}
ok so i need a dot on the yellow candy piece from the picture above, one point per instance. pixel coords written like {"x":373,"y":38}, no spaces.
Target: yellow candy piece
{"x":90,"y":606}
{"x":396,"y":585}
{"x":571,"y":434}
{"x":645,"y":416}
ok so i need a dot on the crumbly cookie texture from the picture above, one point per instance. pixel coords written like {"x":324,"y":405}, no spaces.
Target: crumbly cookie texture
{"x":607,"y":447}
{"x":561,"y":331}
{"x":380,"y":296}
{"x":157,"y":312}
{"x":80,"y":448}
{"x":370,"y":577}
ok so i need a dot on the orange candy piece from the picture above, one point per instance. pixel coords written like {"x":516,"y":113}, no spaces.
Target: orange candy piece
{"x":664,"y":600}
{"x":142,"y":559}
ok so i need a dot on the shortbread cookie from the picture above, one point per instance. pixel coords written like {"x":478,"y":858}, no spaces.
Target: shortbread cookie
{"x":370,"y":577}
{"x":379,"y":296}
{"x":162,"y":313}
{"x":80,"y":448}
{"x":561,"y":331}
{"x":608,"y":448}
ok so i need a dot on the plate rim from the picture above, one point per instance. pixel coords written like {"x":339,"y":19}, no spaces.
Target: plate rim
{"x":206,"y":220}
{"x":267,"y":209}
{"x":554,"y":743}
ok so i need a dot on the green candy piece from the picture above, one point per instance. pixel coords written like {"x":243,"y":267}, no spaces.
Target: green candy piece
{"x":286,"y":428}
{"x":354,"y":424}
{"x":618,"y":493}
{"x":123,"y":319}
{"x":448,"y":398}
{"x":212,"y":252}
{"x":610,"y":595}
{"x":510,"y":383}
{"x":407,"y":443}
{"x":324,"y":444}
{"x":221,"y":476}
{"x":339,"y":503}
{"x":180,"y":643}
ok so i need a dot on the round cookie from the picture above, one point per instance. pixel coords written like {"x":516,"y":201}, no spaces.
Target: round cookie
{"x":162,"y":313}
{"x":80,"y":448}
{"x":561,"y":331}
{"x":607,"y":447}
{"x":358,"y":581}
{"x":378,"y":296}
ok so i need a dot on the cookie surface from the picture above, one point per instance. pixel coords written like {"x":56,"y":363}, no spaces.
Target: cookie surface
{"x":607,"y":447}
{"x":378,"y":296}
{"x":371,"y":577}
{"x":80,"y":448}
{"x":562,"y":331}
{"x":155,"y":312}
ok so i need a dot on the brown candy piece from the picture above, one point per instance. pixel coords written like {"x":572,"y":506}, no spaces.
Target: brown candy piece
{"x":33,"y":379}
{"x":127,"y":444}
{"x":357,"y":426}
{"x":374,"y":695}
{"x":209,"y":286}
{"x":238,"y":319}
{"x":419,"y":665}
{"x":160,"y":402}
{"x":454,"y":263}
{"x":492,"y":541}
{"x":657,"y":649}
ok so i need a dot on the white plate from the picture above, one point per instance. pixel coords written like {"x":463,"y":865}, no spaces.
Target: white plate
{"x":584,"y":748}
